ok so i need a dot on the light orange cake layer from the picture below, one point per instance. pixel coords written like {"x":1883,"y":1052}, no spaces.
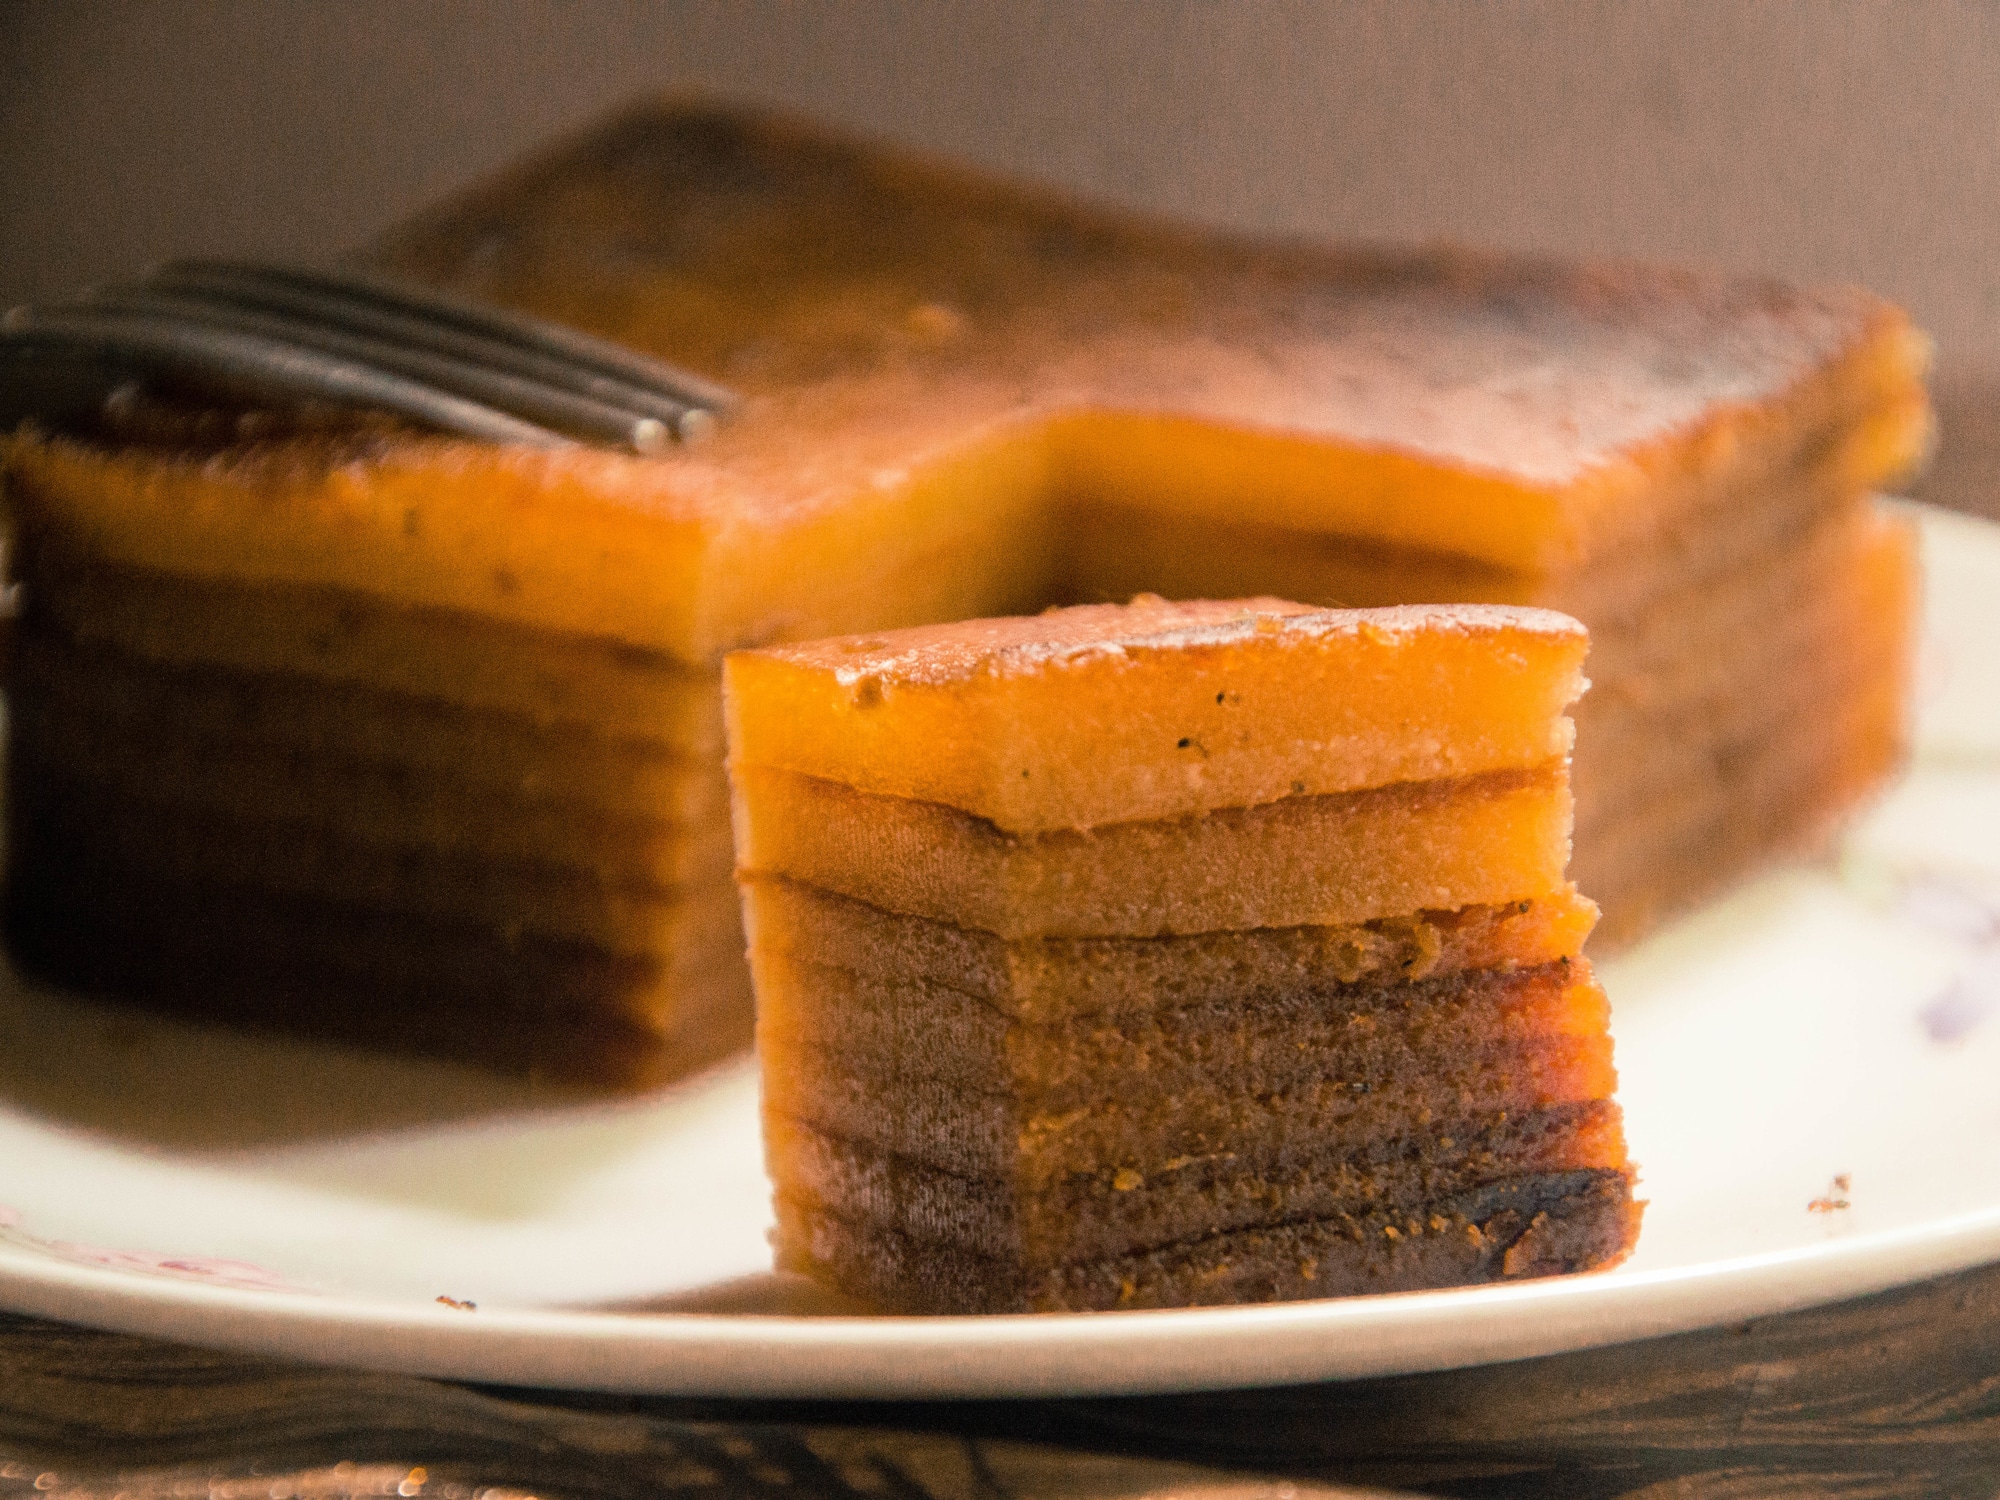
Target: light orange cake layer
{"x":436,"y":657}
{"x":1048,"y":981}
{"x":1117,"y":714}
{"x":1320,"y":861}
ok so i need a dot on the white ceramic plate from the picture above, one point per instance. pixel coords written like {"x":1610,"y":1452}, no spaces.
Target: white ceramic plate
{"x":1808,"y":1075}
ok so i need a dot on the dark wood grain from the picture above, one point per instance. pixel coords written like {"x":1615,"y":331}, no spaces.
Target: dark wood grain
{"x":1893,"y":1394}
{"x":1896,"y":1394}
{"x":88,"y":1414}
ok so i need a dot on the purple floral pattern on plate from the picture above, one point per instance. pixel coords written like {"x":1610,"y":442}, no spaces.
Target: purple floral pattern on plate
{"x":1957,"y":909}
{"x":240,"y":1275}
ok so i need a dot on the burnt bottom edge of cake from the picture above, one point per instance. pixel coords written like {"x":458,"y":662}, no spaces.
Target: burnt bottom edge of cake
{"x":1544,"y":1224}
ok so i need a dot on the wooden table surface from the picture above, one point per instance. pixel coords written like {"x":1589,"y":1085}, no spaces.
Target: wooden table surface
{"x":1894,"y":1394}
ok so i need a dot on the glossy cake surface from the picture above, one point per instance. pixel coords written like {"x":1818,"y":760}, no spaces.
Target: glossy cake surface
{"x":1106,"y":714}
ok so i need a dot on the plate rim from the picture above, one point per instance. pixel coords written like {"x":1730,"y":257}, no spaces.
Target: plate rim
{"x":769,"y":1356}
{"x":1106,"y":1354}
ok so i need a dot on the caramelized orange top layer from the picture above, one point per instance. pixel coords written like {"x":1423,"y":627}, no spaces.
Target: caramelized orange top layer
{"x":935,"y":363}
{"x":1108,"y":714}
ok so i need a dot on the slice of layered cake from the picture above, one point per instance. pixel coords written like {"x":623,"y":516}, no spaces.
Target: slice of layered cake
{"x":334,"y":722}
{"x":319,"y":809}
{"x":1167,"y":954}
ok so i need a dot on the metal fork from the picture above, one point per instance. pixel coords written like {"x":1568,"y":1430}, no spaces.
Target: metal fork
{"x":259,"y":333}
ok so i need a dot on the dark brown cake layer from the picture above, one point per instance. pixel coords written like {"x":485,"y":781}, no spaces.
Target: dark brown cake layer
{"x":171,"y":843}
{"x":923,"y":1036}
{"x":1783,"y":796}
{"x":1544,"y":1225}
{"x":188,"y":714}
{"x":1816,"y":629}
{"x":996,"y":1136}
{"x":1121,"y":1211}
{"x":375,"y":806}
{"x":1113,"y":550}
{"x":87,"y":917}
{"x":245,"y":956}
{"x":1046,"y":980}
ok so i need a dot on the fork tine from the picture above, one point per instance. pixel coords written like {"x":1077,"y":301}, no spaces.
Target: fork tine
{"x":255,"y":367}
{"x":354,"y":336}
{"x":435,"y":307}
{"x":230,"y":289}
{"x":543,"y":404}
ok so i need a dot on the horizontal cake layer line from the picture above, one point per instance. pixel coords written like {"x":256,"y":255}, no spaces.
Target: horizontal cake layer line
{"x":1048,"y":980}
{"x":589,"y":683}
{"x":468,"y":753}
{"x":366,"y":808}
{"x":1116,"y":1212}
{"x":991,"y":1136}
{"x":1546,"y":1225}
{"x":511,"y":899}
{"x":1118,"y":548}
{"x":1732,"y":609}
{"x":1737,"y":666}
{"x":1305,"y":861}
{"x":1108,"y":715}
{"x":1697,"y":762}
{"x":1809,"y":708}
{"x":815,"y":1018}
{"x":1857,"y":671}
{"x":388,"y":808}
{"x":244,"y":956}
{"x":1779,"y":801}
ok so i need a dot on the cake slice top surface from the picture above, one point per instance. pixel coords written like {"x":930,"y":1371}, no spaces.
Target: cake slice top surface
{"x":956,"y":653}
{"x":929,"y":354}
{"x":1103,"y":714}
{"x":787,"y":260}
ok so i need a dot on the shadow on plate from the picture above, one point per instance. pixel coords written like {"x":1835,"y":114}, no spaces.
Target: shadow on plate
{"x":155,"y":1081}
{"x":773,"y":1294}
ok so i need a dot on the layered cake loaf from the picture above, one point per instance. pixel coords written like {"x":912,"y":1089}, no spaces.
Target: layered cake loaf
{"x":1168,"y":954}
{"x":325,"y":721}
